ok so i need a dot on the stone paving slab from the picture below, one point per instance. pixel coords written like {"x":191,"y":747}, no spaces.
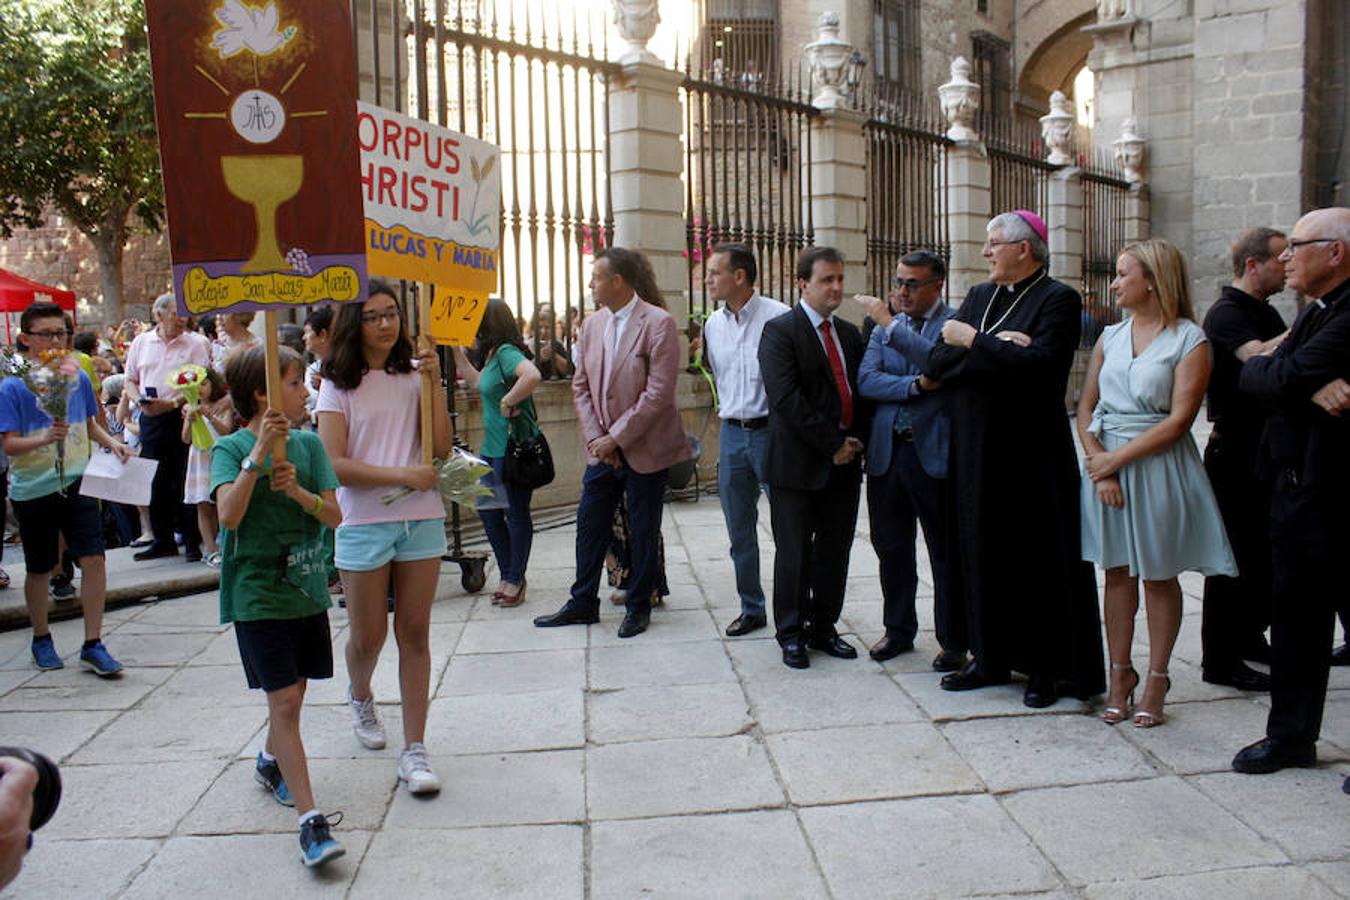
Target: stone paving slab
{"x":1254,"y":883}
{"x":48,"y":872}
{"x":743,"y":855}
{"x":667,"y":711}
{"x":1298,"y":809}
{"x":632,"y":664}
{"x":1012,"y":754}
{"x":541,"y":788}
{"x":525,"y":861}
{"x":253,"y":865}
{"x":1148,"y":821}
{"x":911,"y":848}
{"x":549,"y":720}
{"x":791,"y":704}
{"x":129,"y":799}
{"x":663,"y":778}
{"x":163,"y":734}
{"x":514,"y":673}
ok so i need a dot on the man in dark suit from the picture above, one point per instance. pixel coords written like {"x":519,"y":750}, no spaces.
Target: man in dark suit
{"x":809,"y":359}
{"x":907,"y":456}
{"x":1304,"y":450}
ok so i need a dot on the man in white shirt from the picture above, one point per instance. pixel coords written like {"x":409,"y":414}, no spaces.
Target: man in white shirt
{"x":731,"y":340}
{"x":153,"y":355}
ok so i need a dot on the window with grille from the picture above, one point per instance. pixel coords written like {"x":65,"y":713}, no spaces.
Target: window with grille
{"x":896,"y":55}
{"x":992,"y":62}
{"x":740,"y":41}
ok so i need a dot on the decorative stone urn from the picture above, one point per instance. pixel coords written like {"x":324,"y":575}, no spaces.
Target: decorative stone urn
{"x":960,"y":98}
{"x":1057,"y":130}
{"x":637,"y":21}
{"x":1108,"y":10}
{"x":829,"y":55}
{"x":1129,"y":151}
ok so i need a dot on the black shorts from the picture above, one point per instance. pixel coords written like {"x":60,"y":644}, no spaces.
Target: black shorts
{"x":277,"y":653}
{"x":43,"y":518}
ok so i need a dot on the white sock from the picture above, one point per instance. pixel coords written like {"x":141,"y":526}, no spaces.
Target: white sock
{"x":305,"y":817}
{"x":267,"y":757}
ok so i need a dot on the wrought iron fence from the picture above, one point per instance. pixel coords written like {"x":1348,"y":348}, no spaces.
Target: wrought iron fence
{"x":747,"y":176}
{"x":1019,"y":174}
{"x":906,"y":182}
{"x":530,"y":77}
{"x":1105,"y":197}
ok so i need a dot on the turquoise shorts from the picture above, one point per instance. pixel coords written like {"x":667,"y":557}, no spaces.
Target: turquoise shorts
{"x":364,"y":548}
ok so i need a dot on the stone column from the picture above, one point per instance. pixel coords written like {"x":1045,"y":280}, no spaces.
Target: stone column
{"x":1137,"y":214}
{"x":1129,"y":150}
{"x":1065,"y":223}
{"x":969,"y":182}
{"x":646,"y":163}
{"x":838,"y":180}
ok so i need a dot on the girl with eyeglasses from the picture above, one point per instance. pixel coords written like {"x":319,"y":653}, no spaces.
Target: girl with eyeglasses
{"x":369,"y":421}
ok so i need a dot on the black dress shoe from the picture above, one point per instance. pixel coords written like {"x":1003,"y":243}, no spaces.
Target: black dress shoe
{"x":1341,"y":657}
{"x":1257,"y":651}
{"x":1271,"y":755}
{"x":833,"y":645}
{"x":744,"y":624}
{"x":889,"y":647}
{"x":794,"y":655}
{"x":568,"y":615}
{"x":156,"y":551}
{"x":192,"y":554}
{"x":971,"y":678}
{"x":949,"y":661}
{"x":1241,"y":676}
{"x":1041,"y":692}
{"x":634,"y":623}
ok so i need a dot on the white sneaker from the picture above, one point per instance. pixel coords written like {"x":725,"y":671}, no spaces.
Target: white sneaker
{"x":366,"y":722}
{"x":415,"y":771}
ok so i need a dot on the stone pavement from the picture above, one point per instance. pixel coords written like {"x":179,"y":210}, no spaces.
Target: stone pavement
{"x":676,"y":764}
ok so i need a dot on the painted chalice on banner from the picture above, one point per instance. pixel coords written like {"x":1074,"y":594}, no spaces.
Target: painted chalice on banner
{"x":264,"y":182}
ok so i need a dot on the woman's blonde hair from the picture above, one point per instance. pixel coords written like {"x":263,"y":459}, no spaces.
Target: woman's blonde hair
{"x":1165,"y":269}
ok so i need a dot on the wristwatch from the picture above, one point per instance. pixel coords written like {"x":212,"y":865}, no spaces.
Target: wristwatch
{"x":248,"y":465}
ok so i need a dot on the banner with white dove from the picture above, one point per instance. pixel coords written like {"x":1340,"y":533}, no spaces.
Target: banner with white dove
{"x":256,"y":108}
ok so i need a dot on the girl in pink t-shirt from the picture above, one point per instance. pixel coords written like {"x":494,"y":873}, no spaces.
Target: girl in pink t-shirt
{"x":369,"y":421}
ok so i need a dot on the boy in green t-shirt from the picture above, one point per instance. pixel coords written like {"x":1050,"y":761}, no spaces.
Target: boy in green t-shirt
{"x":273,"y":579}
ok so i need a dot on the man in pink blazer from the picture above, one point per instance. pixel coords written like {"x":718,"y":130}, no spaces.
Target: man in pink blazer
{"x":628,"y":360}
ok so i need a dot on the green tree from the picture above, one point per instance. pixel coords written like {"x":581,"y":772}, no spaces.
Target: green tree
{"x":77,"y":131}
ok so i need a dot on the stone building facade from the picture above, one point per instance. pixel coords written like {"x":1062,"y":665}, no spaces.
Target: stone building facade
{"x":1244,"y":104}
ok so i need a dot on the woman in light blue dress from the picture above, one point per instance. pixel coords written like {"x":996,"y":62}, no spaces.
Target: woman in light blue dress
{"x":1148,"y":510}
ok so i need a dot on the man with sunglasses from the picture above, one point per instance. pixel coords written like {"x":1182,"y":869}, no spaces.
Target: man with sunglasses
{"x":1305,"y":382}
{"x":907,"y":456}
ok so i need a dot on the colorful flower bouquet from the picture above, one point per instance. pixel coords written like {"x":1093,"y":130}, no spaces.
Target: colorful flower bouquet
{"x":462,"y":478}
{"x":52,"y":378}
{"x":188,"y":379}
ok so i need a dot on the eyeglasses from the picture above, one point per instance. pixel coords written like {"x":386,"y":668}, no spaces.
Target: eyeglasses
{"x":994,"y":243}
{"x":1294,"y":245}
{"x":47,"y":335}
{"x":389,"y":315}
{"x":911,"y":283}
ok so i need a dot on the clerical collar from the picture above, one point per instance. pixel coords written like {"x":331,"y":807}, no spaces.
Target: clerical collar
{"x":1022,"y":285}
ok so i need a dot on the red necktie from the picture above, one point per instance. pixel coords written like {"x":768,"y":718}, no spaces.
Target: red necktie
{"x":840,"y":379}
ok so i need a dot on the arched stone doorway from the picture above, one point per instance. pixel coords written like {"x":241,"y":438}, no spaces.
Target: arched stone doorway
{"x":1052,"y":49}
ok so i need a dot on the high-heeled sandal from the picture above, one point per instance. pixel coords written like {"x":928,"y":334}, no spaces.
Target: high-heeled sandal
{"x":509,"y":601}
{"x":1114,"y":715}
{"x":1147,"y":718}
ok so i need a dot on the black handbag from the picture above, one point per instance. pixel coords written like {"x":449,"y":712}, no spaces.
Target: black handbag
{"x":529,"y":461}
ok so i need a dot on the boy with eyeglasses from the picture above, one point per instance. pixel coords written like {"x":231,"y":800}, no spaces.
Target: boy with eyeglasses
{"x":47,"y":500}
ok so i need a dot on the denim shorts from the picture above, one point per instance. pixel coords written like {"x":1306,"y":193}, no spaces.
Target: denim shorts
{"x":364,"y":548}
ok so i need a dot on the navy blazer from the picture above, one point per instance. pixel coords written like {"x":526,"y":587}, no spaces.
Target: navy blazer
{"x":889,"y":367}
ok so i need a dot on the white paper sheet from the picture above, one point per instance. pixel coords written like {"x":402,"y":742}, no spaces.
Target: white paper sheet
{"x":107,"y":478}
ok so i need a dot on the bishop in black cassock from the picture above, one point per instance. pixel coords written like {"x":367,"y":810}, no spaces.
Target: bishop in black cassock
{"x":1030,"y":599}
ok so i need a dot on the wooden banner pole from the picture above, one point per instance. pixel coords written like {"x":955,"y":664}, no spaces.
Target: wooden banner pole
{"x":424,"y":342}
{"x":274,"y":392}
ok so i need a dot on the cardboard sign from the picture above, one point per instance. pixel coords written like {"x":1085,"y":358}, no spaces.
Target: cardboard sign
{"x":432,"y":201}
{"x":255,"y":102}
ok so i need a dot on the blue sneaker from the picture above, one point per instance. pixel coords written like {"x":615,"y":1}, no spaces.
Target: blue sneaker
{"x":44,"y":654}
{"x":316,"y":841}
{"x":98,"y":660}
{"x":268,"y":774}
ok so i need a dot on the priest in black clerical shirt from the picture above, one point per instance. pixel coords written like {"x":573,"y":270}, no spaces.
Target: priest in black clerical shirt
{"x":1031,"y":600}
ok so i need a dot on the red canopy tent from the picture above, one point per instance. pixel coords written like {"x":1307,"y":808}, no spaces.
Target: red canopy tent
{"x":18,"y":293}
